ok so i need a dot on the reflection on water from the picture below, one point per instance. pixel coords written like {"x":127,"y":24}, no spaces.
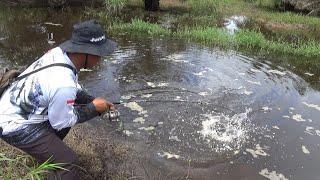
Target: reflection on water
{"x":195,"y":110}
{"x":27,"y":34}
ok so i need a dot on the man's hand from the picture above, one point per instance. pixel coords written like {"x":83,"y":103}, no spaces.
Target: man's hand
{"x":102,"y":105}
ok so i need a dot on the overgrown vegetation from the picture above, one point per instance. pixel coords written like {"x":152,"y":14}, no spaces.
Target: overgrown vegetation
{"x":115,"y":5}
{"x":267,"y":29}
{"x":24,"y":167}
{"x":138,"y":27}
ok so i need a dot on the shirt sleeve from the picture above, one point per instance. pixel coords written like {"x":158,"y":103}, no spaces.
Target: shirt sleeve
{"x":61,"y":111}
{"x":83,"y":97}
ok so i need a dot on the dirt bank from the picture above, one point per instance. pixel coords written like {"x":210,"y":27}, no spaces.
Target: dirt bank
{"x":100,"y":156}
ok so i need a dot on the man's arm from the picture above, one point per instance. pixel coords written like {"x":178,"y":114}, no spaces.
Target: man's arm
{"x":64,"y":112}
{"x":84,"y":108}
{"x":88,"y":107}
{"x":83,"y":97}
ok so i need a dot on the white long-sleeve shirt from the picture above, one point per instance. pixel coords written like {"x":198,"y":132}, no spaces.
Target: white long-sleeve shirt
{"x":46,"y":95}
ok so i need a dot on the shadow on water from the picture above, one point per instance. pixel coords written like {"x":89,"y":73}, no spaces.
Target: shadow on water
{"x":194,"y":112}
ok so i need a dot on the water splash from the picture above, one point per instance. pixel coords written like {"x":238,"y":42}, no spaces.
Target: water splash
{"x":231,"y":131}
{"x":232,"y":23}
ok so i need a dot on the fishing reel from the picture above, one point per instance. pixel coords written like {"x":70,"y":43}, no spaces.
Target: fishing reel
{"x":111,"y":115}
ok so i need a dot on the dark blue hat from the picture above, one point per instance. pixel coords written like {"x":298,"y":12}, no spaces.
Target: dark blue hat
{"x":89,"y":37}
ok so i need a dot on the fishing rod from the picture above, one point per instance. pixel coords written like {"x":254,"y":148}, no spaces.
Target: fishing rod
{"x":113,"y":115}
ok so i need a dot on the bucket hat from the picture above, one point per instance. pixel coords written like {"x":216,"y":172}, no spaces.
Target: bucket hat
{"x":89,"y":37}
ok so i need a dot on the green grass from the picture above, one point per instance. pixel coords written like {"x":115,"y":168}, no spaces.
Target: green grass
{"x":256,"y":40}
{"x":115,"y":5}
{"x":24,"y":167}
{"x":208,"y":7}
{"x":207,"y":35}
{"x":139,"y":27}
{"x":243,"y":39}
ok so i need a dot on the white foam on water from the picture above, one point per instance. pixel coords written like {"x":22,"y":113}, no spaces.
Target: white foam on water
{"x":209,"y":69}
{"x":315,"y":106}
{"x":266,"y":109}
{"x":230,"y":131}
{"x":305,"y":150}
{"x":126,"y":97}
{"x":175,"y":138}
{"x":177,"y":98}
{"x":151,"y":84}
{"x":169,"y":155}
{"x":254,"y":82}
{"x":247,"y":92}
{"x":199,"y":73}
{"x":203,"y":93}
{"x":150,"y":128}
{"x":312,"y":131}
{"x":140,"y":120}
{"x":255,"y":70}
{"x":298,"y":118}
{"x":291,"y":108}
{"x":309,"y":130}
{"x":161,"y":84}
{"x":135,"y":107}
{"x":128,"y":133}
{"x":176,"y":58}
{"x":277,"y":72}
{"x":259,"y":151}
{"x":146,"y":95}
{"x":275,"y":127}
{"x":272,"y":175}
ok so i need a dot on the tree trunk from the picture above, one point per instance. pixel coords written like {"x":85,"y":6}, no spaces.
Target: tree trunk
{"x":151,"y":5}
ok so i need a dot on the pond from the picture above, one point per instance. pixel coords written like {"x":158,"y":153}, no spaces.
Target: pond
{"x":193,"y":111}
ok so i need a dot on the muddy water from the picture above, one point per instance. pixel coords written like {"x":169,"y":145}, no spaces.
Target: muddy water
{"x":192,"y":111}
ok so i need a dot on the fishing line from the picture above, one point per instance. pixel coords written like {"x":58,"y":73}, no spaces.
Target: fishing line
{"x":174,"y":101}
{"x":158,"y":89}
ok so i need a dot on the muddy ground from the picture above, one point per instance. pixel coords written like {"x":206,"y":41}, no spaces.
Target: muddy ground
{"x":100,"y":156}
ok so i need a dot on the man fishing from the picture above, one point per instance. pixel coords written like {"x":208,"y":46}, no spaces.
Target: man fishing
{"x":37,"y":111}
